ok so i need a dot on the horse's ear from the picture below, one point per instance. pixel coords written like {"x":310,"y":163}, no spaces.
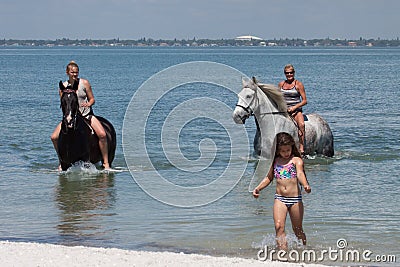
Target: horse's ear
{"x":254,"y":80}
{"x":61,"y":86}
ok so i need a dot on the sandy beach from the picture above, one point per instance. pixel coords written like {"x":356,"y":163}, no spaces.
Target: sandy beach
{"x":35,"y":254}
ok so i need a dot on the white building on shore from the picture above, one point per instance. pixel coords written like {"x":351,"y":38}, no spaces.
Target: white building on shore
{"x":248,"y":38}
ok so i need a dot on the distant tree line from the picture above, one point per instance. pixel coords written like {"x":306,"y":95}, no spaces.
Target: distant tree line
{"x":204,"y":42}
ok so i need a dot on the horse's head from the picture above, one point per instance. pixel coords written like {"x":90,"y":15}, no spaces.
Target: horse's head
{"x":260,"y":99}
{"x":246,"y":103}
{"x":69,"y":106}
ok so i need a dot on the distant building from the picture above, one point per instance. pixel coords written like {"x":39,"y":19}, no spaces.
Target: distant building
{"x":248,"y":38}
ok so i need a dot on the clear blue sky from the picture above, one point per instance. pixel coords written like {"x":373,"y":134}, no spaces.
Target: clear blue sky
{"x":186,"y":19}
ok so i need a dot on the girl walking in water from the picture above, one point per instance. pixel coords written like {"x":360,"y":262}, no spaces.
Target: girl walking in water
{"x":288,"y":170}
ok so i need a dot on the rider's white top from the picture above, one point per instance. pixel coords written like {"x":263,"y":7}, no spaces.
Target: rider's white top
{"x":82,"y":98}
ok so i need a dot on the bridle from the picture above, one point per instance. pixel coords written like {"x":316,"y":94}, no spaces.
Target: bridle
{"x":68,"y":90}
{"x":247,"y":109}
{"x":250,"y":112}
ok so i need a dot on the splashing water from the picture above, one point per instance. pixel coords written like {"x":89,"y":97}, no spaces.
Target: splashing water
{"x":269,"y":240}
{"x":81,"y":170}
{"x":88,"y":169}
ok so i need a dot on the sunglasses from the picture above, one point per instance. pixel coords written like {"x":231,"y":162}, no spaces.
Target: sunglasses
{"x":289,"y":72}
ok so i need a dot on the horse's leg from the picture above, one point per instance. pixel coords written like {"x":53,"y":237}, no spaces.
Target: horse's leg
{"x":63,"y":166}
{"x":257,"y":140}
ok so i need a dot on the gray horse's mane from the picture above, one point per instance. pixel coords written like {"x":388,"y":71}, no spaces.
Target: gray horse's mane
{"x":274,"y":94}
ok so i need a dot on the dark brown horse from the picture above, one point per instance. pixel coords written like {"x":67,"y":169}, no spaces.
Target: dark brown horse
{"x":77,"y":140}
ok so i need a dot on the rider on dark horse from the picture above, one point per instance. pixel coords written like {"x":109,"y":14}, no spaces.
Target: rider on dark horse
{"x":86,"y":101}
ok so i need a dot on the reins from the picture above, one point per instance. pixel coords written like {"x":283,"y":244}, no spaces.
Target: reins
{"x":274,"y":113}
{"x":69,"y":91}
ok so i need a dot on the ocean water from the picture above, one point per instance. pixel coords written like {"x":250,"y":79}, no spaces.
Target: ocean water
{"x":354,"y":195}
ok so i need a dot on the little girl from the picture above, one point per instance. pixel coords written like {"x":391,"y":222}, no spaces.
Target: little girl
{"x":288,"y":169}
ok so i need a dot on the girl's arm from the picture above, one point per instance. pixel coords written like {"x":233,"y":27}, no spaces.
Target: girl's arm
{"x":264,"y":183}
{"x":301,"y":176}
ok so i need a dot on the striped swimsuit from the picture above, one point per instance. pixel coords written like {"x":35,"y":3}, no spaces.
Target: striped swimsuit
{"x":292,"y":96}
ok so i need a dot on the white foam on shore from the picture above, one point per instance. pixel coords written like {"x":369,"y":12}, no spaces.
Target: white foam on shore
{"x":35,"y":254}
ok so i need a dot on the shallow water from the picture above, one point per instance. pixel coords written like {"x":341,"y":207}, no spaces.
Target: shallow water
{"x":354,"y":195}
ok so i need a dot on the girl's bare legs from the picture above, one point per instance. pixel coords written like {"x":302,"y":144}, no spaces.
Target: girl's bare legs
{"x":296,"y":213}
{"x":280,"y":211}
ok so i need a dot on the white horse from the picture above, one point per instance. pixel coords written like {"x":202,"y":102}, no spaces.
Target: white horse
{"x":267,"y":104}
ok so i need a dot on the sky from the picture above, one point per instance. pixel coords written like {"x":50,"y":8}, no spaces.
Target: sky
{"x":210,"y":19}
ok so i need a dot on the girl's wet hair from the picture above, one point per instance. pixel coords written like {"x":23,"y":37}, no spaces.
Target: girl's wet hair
{"x":285,"y":139}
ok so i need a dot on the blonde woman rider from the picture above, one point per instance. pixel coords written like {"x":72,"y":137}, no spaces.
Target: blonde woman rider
{"x":86,"y":101}
{"x":295,"y":96}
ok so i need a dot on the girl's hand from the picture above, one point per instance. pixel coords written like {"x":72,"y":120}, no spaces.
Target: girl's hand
{"x":307,"y":188}
{"x":85,"y":105}
{"x":256,"y":193}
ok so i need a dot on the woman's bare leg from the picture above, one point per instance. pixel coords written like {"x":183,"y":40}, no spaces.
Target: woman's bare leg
{"x":54,"y":139}
{"x":101,"y":134}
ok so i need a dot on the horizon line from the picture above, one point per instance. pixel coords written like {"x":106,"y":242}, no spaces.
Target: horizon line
{"x":194,"y":38}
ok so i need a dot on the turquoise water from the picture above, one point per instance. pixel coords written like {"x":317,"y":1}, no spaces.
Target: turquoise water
{"x":354,"y":195}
